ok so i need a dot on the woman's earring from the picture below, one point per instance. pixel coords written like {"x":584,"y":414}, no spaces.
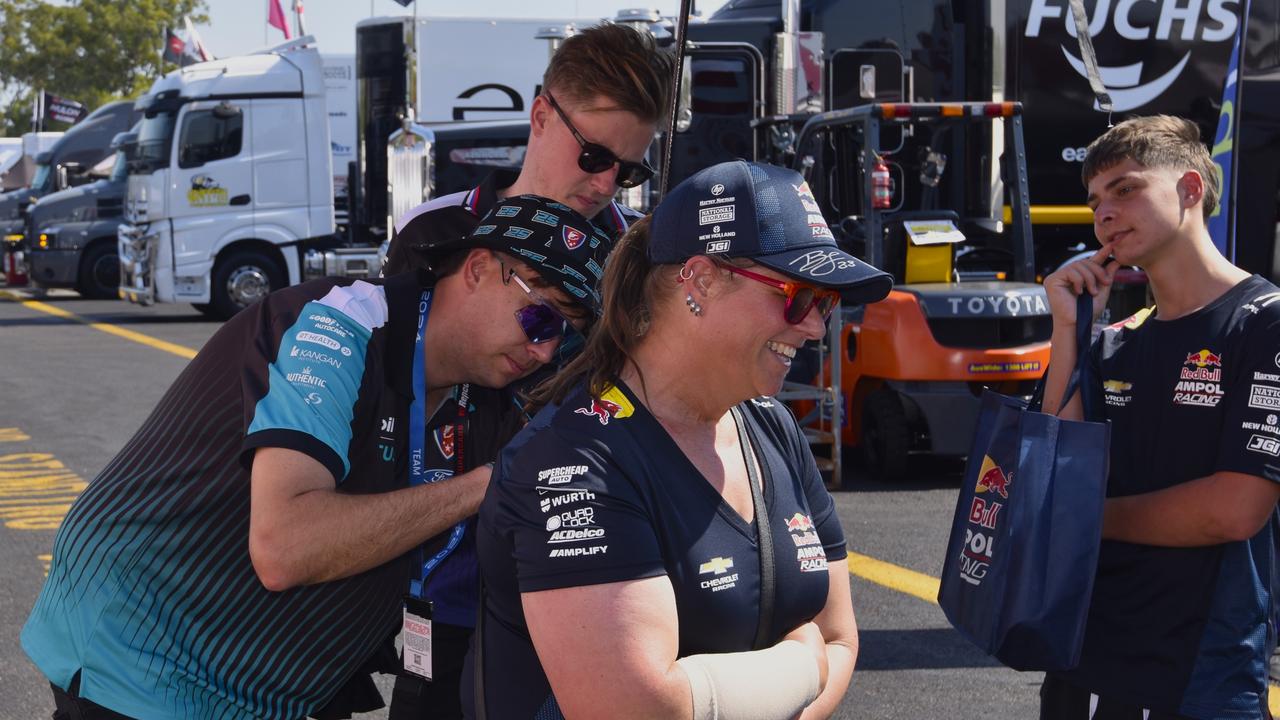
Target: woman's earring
{"x":694,"y":307}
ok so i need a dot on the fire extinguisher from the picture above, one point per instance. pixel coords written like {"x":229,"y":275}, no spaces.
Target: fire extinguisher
{"x":881,"y":185}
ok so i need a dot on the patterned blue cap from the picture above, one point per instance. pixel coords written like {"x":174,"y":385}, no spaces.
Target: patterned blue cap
{"x":552,"y":238}
{"x":762,"y":212}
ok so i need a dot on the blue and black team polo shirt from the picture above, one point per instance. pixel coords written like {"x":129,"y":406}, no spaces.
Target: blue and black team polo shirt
{"x":1188,"y":630}
{"x":152,"y":597}
{"x":595,"y":491}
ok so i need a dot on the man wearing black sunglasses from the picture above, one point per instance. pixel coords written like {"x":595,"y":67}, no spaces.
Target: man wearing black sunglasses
{"x":603,"y":95}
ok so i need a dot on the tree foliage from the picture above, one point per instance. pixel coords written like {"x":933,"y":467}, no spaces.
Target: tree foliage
{"x":91,"y":51}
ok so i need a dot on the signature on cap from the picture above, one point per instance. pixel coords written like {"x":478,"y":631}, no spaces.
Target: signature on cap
{"x":819,"y":263}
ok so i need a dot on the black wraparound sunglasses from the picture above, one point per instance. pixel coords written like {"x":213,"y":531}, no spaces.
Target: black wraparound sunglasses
{"x":596,"y":158}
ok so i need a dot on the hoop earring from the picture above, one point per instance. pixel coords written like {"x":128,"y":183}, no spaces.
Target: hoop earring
{"x":694,"y":307}
{"x":685,"y":274}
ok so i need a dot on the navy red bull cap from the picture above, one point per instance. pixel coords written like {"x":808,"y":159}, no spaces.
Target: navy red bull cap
{"x":564,"y":247}
{"x":767,"y":214}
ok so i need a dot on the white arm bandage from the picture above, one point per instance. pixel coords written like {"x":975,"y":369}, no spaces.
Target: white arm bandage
{"x":771,"y":684}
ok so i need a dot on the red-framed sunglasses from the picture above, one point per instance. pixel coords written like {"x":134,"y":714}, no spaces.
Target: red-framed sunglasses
{"x":801,"y":298}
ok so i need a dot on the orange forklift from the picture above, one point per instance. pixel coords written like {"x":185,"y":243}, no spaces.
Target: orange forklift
{"x":966,"y":311}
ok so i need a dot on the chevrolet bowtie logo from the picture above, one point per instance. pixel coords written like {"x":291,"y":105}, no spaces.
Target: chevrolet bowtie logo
{"x":716,"y":565}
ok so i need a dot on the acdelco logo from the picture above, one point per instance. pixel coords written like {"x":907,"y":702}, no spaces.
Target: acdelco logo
{"x":1131,"y":21}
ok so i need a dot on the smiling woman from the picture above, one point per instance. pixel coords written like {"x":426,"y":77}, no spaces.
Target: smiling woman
{"x":631,"y":527}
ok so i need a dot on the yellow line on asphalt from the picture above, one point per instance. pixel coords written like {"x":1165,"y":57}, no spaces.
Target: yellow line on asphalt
{"x":179,"y":350}
{"x":894,"y":577}
{"x":925,"y":587}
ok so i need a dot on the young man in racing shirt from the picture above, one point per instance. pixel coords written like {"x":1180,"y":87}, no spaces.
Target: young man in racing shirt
{"x":247,"y":550}
{"x":1179,"y":624}
{"x":603,"y":95}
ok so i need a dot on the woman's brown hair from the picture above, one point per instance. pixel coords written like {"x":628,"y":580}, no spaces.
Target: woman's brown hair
{"x":630,"y":288}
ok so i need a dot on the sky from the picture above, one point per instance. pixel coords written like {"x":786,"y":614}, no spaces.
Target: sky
{"x":240,"y":26}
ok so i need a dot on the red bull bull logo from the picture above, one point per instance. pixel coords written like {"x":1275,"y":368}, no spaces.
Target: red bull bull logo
{"x":612,"y":404}
{"x":799,"y":523}
{"x":993,"y":479}
{"x":1204,"y":358}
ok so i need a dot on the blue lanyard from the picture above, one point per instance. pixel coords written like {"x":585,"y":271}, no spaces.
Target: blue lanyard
{"x":418,"y":443}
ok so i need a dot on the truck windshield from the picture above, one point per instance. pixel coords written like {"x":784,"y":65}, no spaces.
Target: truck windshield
{"x":155,"y":137}
{"x":43,"y":177}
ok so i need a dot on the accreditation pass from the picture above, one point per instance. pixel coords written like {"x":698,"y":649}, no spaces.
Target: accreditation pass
{"x":417,"y":642}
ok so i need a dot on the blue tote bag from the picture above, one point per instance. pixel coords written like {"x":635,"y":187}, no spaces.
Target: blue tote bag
{"x":1024,"y":542}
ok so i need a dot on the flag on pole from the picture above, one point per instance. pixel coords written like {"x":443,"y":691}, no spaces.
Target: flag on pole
{"x":277,"y":19}
{"x":174,"y":47}
{"x":1222,"y":223}
{"x":195,"y":42}
{"x":63,"y":109}
{"x":183,"y":52}
{"x":297,"y":13}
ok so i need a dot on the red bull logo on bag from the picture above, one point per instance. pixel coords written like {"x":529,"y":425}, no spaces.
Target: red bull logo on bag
{"x":992,"y":478}
{"x":610,"y":405}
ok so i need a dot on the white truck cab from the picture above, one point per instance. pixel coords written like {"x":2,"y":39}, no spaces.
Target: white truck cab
{"x":231,"y":182}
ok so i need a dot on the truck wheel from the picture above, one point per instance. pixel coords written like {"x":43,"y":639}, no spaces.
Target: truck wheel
{"x":885,"y":435}
{"x":99,"y":274}
{"x":240,"y":279}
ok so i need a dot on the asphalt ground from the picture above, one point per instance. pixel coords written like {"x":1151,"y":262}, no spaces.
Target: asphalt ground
{"x":78,"y":377}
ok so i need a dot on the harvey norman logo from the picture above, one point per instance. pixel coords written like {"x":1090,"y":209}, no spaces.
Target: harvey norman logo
{"x":1137,"y":23}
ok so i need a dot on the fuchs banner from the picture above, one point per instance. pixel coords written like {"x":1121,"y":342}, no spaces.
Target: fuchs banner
{"x":62,"y":109}
{"x":1161,"y":56}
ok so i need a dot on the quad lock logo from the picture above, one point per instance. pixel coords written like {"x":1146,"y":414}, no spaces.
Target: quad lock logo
{"x":1136,"y":24}
{"x":984,"y":515}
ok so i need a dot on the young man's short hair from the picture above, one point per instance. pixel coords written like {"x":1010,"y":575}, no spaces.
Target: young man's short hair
{"x":616,"y":62}
{"x":1155,"y":141}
